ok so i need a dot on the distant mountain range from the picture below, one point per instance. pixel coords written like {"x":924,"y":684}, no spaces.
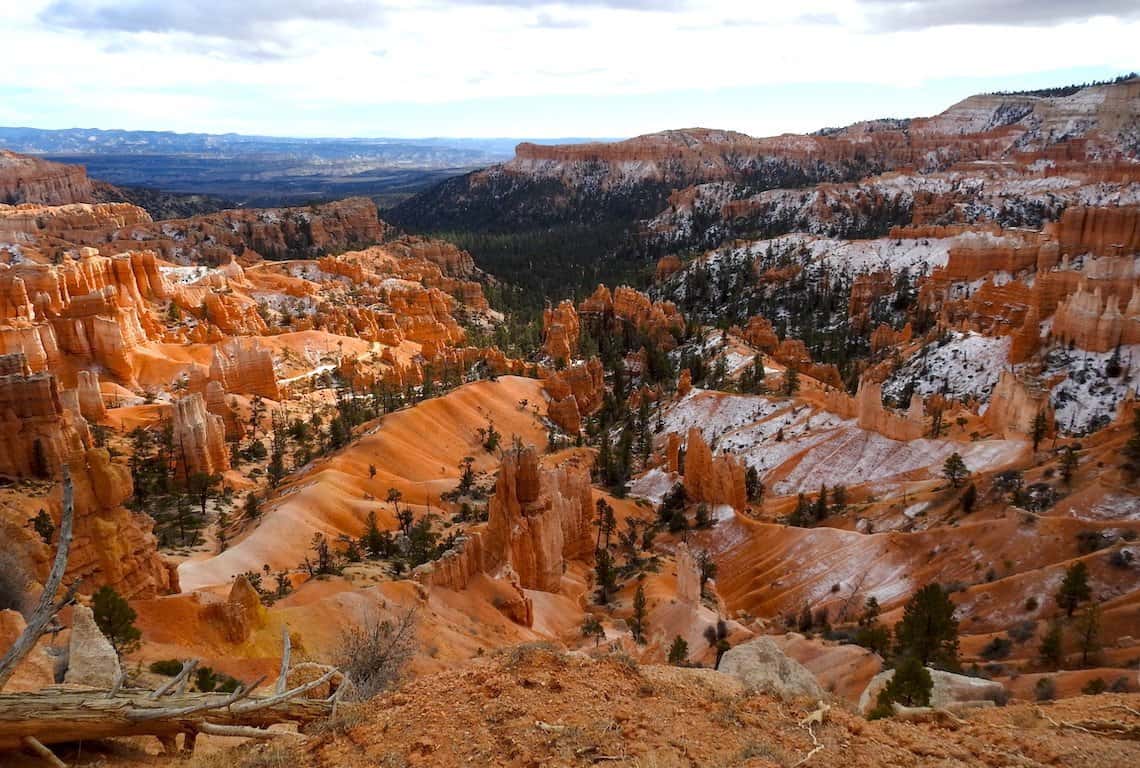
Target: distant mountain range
{"x":264,"y":170}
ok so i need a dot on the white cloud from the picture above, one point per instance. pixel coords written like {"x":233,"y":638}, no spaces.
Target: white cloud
{"x":268,"y":66}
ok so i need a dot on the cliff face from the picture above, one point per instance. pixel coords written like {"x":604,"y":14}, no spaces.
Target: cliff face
{"x":239,"y":366}
{"x":40,"y":432}
{"x":560,"y":331}
{"x":574,"y":392}
{"x":539,"y":518}
{"x":708,"y":478}
{"x":199,"y":437}
{"x":26,"y":179}
{"x":112,"y":546}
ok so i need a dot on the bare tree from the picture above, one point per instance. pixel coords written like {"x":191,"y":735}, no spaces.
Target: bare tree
{"x":373,"y":654}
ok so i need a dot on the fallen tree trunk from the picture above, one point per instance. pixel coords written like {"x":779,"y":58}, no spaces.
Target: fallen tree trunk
{"x":59,"y":714}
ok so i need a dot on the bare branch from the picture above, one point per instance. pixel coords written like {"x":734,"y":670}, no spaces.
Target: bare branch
{"x":287,"y":647}
{"x":140,"y":715}
{"x":47,"y":606}
{"x":188,"y":666}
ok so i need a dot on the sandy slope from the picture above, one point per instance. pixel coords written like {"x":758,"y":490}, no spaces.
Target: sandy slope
{"x":417,"y":450}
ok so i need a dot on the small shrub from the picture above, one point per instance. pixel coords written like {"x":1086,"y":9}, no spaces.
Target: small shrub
{"x":1045,"y":689}
{"x":167,"y":667}
{"x":1031,"y":604}
{"x":1120,"y":685}
{"x":374,"y":653}
{"x":1023,"y":631}
{"x":997,"y":648}
{"x":1094,"y":687}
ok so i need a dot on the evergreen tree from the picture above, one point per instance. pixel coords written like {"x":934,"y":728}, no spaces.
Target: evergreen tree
{"x":706,"y":567}
{"x":637,"y":622}
{"x":819,"y":508}
{"x":43,"y":525}
{"x":871,"y":634}
{"x":752,"y":485}
{"x":591,"y":627}
{"x":1051,"y":650}
{"x":1075,"y":588}
{"x":969,"y":498}
{"x":679,"y":652}
{"x":1088,"y":634}
{"x":1040,"y":428}
{"x":928,"y":630}
{"x":791,"y":381}
{"x":1070,"y":460}
{"x":116,"y":620}
{"x":606,"y":575}
{"x":955,"y":470}
{"x":910,"y":686}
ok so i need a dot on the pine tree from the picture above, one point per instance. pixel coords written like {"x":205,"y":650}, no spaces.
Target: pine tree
{"x":752,"y":485}
{"x":679,"y":652}
{"x":1088,"y":634}
{"x":591,"y":627}
{"x":43,"y":525}
{"x":116,"y":620}
{"x":1075,"y":588}
{"x":637,"y":622}
{"x":955,"y":470}
{"x":791,"y":381}
{"x":910,"y":686}
{"x":1051,"y":650}
{"x":928,"y":630}
{"x":1070,"y":460}
{"x":606,"y":575}
{"x":1040,"y":428}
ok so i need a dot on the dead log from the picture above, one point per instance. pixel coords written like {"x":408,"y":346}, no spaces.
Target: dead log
{"x":61,"y":714}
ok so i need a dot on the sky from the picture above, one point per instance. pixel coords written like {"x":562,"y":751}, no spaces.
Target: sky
{"x":530,"y":68}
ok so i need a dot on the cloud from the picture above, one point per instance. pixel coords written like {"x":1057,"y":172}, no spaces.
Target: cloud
{"x":546,"y":21}
{"x":895,"y":15}
{"x":245,"y":20}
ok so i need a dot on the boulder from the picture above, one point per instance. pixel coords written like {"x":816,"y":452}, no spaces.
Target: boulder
{"x":763,"y":667}
{"x":949,"y":689}
{"x":92,"y":660}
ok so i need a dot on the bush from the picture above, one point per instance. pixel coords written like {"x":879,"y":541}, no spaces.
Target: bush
{"x":1023,"y":631}
{"x":1031,"y":604}
{"x":1120,"y":685}
{"x":207,"y":681}
{"x":116,"y":620}
{"x":1095,"y":686}
{"x":1045,"y":689}
{"x":13,"y":582}
{"x":373,"y":654}
{"x":997,"y":648}
{"x":167,"y":667}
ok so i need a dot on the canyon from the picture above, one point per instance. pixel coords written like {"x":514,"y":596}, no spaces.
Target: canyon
{"x":849,"y":366}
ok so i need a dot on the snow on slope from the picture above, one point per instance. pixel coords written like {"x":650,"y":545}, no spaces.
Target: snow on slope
{"x":966,"y":365}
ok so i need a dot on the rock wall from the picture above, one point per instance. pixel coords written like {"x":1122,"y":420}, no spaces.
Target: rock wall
{"x":560,"y":330}
{"x":713,"y":479}
{"x":199,"y":437}
{"x":1014,"y":405}
{"x":112,"y":545}
{"x":25,"y":179}
{"x":40,"y":433}
{"x":874,"y":416}
{"x":574,"y":392}
{"x":240,"y":366}
{"x":538,"y":518}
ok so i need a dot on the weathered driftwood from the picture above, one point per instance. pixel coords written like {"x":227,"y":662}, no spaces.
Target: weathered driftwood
{"x":60,"y":714}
